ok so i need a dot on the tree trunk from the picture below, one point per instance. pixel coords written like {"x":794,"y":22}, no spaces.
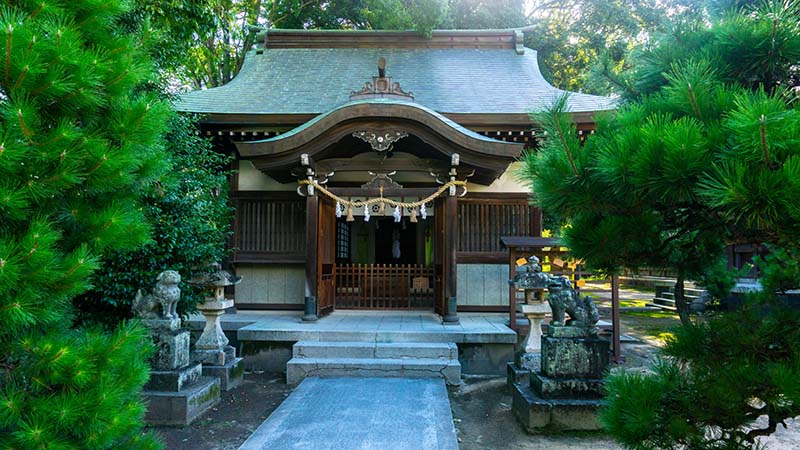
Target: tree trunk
{"x":680,"y":299}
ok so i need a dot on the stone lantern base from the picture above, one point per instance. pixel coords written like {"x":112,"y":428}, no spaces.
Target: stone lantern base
{"x":222,"y":364}
{"x":212,"y":349}
{"x":177,"y":392}
{"x":566,"y":392}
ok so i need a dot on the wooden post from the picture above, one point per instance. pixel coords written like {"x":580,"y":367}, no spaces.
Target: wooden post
{"x":615,"y":323}
{"x":512,"y":290}
{"x":450,"y":266}
{"x":312,"y":213}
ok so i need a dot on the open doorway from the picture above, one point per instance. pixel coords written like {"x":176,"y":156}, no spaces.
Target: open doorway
{"x":383,"y":264}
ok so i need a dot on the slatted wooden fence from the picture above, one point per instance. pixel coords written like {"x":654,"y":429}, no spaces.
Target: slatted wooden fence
{"x":384,"y":286}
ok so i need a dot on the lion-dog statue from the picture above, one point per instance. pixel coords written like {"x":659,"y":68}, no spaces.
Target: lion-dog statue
{"x":162,"y":303}
{"x":563,"y":299}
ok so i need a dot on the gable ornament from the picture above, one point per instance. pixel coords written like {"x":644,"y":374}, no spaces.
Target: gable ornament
{"x":380,"y":141}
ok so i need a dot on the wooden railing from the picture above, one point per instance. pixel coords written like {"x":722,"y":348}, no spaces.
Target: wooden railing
{"x":384,"y":286}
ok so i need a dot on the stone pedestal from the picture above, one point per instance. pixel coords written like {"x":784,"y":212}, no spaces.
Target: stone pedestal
{"x":212,"y":349}
{"x":535,"y":313}
{"x":177,"y":391}
{"x":566,"y":393}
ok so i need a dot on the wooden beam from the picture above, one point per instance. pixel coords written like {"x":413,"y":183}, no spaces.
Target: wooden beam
{"x":403,"y":192}
{"x":381,"y":165}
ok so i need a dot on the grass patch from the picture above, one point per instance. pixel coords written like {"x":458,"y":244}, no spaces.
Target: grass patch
{"x":633,"y":303}
{"x":660,"y":314}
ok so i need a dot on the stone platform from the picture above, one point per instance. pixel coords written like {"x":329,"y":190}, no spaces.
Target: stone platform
{"x":539,"y":415}
{"x":360,"y":413}
{"x":265,"y":338}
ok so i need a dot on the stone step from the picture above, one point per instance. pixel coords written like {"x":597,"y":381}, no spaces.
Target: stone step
{"x":299,"y":368}
{"x":387,"y":350}
{"x":664,"y":301}
{"x":664,"y":307}
{"x":671,"y":295}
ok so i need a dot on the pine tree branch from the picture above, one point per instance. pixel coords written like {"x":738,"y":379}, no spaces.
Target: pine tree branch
{"x":693,"y":100}
{"x":764,"y":147}
{"x":9,"y":33}
{"x":563,"y":140}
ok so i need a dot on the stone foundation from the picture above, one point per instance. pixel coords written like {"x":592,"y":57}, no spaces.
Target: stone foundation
{"x":182,"y":407}
{"x":566,"y":394}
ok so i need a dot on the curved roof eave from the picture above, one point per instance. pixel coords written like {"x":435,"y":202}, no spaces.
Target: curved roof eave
{"x":318,"y":135}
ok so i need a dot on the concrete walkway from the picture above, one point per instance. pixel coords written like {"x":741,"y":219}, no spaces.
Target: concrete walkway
{"x":360,"y":414}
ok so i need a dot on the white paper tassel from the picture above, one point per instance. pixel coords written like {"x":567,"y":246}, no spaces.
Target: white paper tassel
{"x":366,"y":213}
{"x":396,"y":214}
{"x":423,"y":212}
{"x":339,"y":210}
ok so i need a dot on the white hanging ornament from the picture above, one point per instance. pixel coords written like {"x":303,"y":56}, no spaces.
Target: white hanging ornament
{"x":366,"y":213}
{"x":423,"y":212}
{"x":339,"y":210}
{"x":396,"y":214}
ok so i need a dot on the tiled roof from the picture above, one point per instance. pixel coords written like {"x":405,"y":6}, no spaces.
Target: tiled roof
{"x":447,"y":80}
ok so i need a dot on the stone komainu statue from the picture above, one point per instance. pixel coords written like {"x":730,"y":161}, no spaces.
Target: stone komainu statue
{"x":563,"y":299}
{"x":162,"y":303}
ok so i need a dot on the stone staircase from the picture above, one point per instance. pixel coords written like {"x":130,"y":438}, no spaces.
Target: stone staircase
{"x":374,"y":359}
{"x":666,"y":300}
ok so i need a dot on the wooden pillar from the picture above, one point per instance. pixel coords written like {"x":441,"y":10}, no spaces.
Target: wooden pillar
{"x":312,"y":212}
{"x":450,"y":264}
{"x":615,"y":322}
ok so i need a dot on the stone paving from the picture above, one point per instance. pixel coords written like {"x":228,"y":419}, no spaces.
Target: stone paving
{"x":378,"y":326}
{"x":360,"y":413}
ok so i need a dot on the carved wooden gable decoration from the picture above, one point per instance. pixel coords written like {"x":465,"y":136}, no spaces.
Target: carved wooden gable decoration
{"x":381,"y":87}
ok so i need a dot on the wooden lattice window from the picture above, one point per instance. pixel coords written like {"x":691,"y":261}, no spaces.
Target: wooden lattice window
{"x":342,"y":241}
{"x":483,"y":221}
{"x":269,"y":228}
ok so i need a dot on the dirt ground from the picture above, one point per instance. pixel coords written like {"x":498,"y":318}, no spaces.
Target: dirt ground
{"x":481,"y":407}
{"x":239,"y":412}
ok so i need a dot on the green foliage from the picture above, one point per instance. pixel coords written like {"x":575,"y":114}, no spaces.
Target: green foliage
{"x":583,"y":45}
{"x":705,"y":155}
{"x":78,"y":143}
{"x":202,"y":44}
{"x":779,"y":269}
{"x":191,"y":217}
{"x":695,"y":163}
{"x":716,"y":381}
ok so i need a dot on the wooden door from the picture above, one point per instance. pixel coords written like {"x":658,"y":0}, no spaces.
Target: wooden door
{"x":326,"y":255}
{"x":439,"y":275}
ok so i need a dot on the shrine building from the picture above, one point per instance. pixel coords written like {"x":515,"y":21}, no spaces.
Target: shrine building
{"x":376,"y":170}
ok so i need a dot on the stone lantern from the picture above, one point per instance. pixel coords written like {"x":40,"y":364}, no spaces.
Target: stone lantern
{"x":211,"y":348}
{"x":531,"y":279}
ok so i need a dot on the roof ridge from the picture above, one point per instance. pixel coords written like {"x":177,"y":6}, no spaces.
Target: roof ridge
{"x":509,"y":38}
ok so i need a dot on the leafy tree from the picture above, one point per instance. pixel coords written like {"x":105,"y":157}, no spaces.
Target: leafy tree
{"x":584,"y":44}
{"x":78,"y":143}
{"x":707,"y":154}
{"x":190,"y":216}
